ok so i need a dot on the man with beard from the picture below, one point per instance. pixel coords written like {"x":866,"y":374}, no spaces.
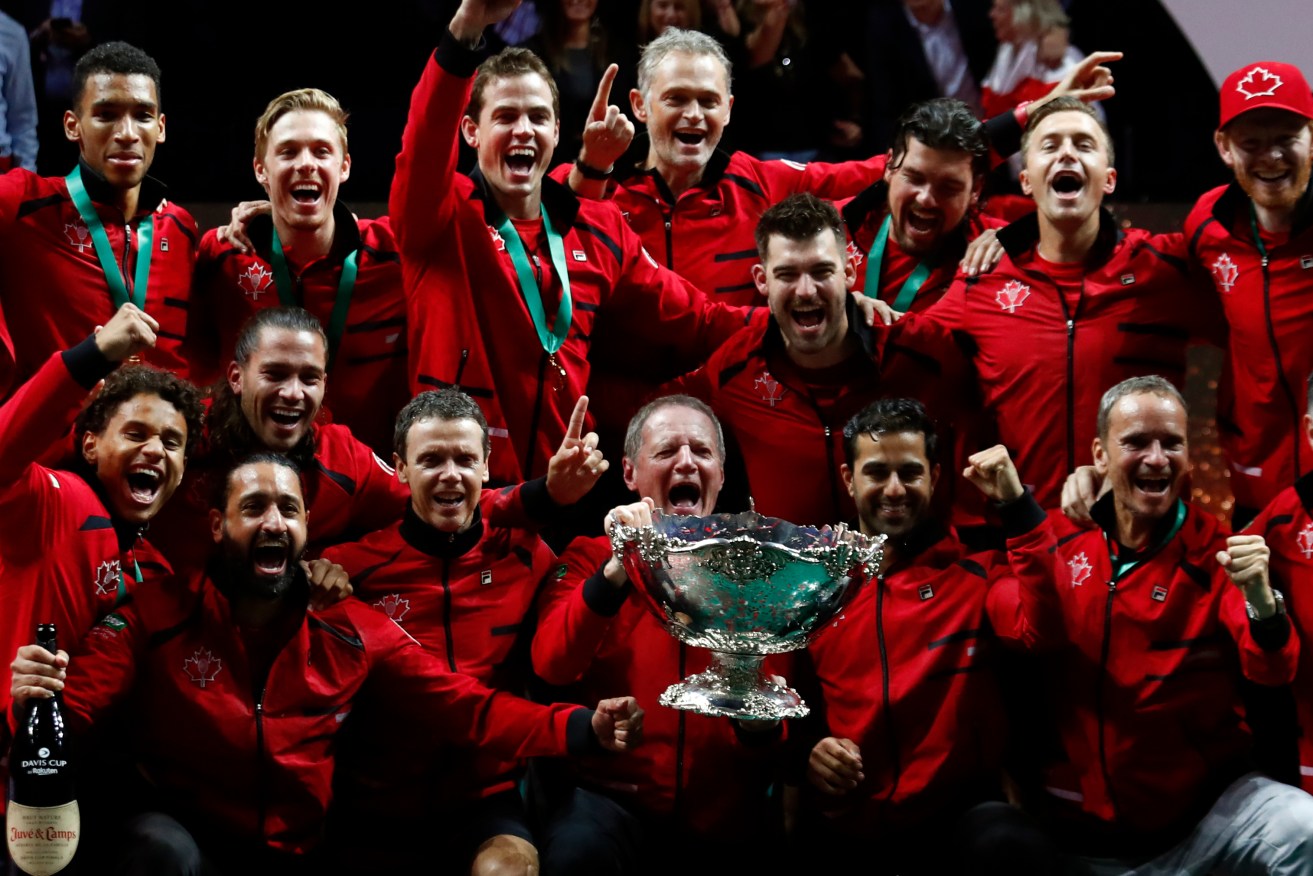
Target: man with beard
{"x":1076,"y":304}
{"x":1151,"y":618}
{"x":74,"y":249}
{"x":461,"y":585}
{"x":704,"y":780}
{"x":903,"y":685}
{"x":132,"y":441}
{"x":262,"y":687}
{"x":1255,"y":238}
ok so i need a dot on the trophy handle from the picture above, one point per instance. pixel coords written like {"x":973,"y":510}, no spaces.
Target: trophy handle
{"x":734,"y":686}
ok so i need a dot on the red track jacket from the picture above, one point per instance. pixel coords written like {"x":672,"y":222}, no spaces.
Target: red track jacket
{"x":468,"y":323}
{"x":1261,"y":397}
{"x":55,"y":290}
{"x":367,"y":386}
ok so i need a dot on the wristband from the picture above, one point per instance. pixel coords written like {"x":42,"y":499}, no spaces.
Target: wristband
{"x":588,"y":172}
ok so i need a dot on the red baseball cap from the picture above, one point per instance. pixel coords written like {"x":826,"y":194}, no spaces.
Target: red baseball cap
{"x":1265,"y":84}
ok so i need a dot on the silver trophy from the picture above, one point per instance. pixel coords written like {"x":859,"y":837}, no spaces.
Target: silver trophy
{"x":744,"y":586}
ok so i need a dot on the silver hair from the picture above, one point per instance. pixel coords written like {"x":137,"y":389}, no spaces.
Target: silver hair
{"x":677,"y":40}
{"x":1152,"y":384}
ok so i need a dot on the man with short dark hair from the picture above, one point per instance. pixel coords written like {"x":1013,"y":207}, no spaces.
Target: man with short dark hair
{"x":1076,"y":304}
{"x":462,"y":586}
{"x":903,"y":685}
{"x":73,"y":250}
{"x":704,"y":780}
{"x":1151,"y":618}
{"x":264,"y":687}
{"x":1253,"y":237}
{"x":131,"y":439}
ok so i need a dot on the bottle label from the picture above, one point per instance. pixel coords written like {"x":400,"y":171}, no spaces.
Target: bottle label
{"x":42,"y":839}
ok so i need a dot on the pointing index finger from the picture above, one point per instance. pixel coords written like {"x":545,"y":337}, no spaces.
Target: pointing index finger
{"x":575,"y":431}
{"x":603,"y":98}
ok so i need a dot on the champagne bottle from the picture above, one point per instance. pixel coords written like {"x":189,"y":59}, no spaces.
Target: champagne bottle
{"x":42,"y":820}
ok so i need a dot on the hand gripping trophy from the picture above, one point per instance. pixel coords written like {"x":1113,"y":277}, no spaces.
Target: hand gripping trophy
{"x":744,"y":586}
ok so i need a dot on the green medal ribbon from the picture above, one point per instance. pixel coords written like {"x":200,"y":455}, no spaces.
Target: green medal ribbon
{"x":874,"y":262}
{"x":1122,"y":567}
{"x":551,"y":340}
{"x":341,"y":304}
{"x":118,"y":292}
{"x":121,"y":595}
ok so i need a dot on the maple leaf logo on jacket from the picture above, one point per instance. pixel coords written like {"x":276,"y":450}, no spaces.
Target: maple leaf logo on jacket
{"x":497,"y":239}
{"x":202,"y":666}
{"x":1080,"y":569}
{"x":1012,"y":295}
{"x":107,"y":577}
{"x":1226,"y":272}
{"x":255,"y":280}
{"x":1258,"y":82}
{"x":1305,"y":539}
{"x":394,"y":606}
{"x":78,"y":234}
{"x":769,"y":387}
{"x":855,"y":255}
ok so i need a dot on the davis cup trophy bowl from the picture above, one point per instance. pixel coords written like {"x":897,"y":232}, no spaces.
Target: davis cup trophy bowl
{"x":744,"y":586}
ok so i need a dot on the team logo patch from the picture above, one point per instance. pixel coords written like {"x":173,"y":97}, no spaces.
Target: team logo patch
{"x":164,"y":244}
{"x":107,"y":577}
{"x":1306,"y":262}
{"x":255,"y":280}
{"x":1012,"y":296}
{"x":1259,"y":82}
{"x":855,"y":255}
{"x":579,"y":255}
{"x":202,"y":666}
{"x":78,"y":234}
{"x":1159,"y":593}
{"x":1128,"y":279}
{"x":1080,"y":569}
{"x":485,"y":577}
{"x":1226,"y":272}
{"x":770,"y":389}
{"x":925,"y":591}
{"x":114,"y":622}
{"x":394,"y":606}
{"x":1305,"y":540}
{"x":497,"y":239}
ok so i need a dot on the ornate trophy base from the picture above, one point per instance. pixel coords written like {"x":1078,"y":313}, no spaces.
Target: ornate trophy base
{"x":734,"y":686}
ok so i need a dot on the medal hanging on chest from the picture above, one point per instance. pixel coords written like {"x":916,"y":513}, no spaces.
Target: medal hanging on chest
{"x":551,"y":339}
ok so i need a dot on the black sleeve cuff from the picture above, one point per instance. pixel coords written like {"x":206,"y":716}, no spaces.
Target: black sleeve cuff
{"x":87,"y":364}
{"x":1270,"y":634}
{"x":538,"y":503}
{"x":1004,"y":134}
{"x":602,"y":597}
{"x":1021,"y":516}
{"x":760,"y":738}
{"x":579,"y":736}
{"x":457,"y":58}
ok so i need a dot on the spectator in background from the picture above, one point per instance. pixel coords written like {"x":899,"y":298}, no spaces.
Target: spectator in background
{"x":1033,"y":52}
{"x":17,"y":98}
{"x":654,"y":16}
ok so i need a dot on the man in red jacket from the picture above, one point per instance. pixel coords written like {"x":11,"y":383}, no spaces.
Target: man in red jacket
{"x":703,"y":780}
{"x":308,"y":250}
{"x":508,"y":275}
{"x":1152,"y":617}
{"x":462,"y":586}
{"x":1075,"y":305}
{"x":73,"y":250}
{"x":262,"y":688}
{"x":1255,"y":239}
{"x":903,"y":685}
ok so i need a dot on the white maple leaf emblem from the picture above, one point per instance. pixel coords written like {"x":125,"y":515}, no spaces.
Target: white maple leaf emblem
{"x":769,"y":387}
{"x":1012,"y":295}
{"x":855,"y":255}
{"x":107,"y":577}
{"x":255,"y":280}
{"x":1305,"y":539}
{"x":78,"y":234}
{"x":497,"y":239}
{"x":202,"y":666}
{"x":1258,"y":82}
{"x":394,"y":606}
{"x":1080,"y":569}
{"x":1226,"y":272}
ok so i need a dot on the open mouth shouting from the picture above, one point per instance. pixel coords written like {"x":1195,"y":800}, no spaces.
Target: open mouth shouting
{"x":808,"y":318}
{"x":450,"y":500}
{"x":307,"y":194}
{"x":692,"y":138}
{"x":271,"y":556}
{"x":685,"y":498}
{"x":1155,"y":487}
{"x":144,"y":484}
{"x":1068,"y":185}
{"x":520,"y":163}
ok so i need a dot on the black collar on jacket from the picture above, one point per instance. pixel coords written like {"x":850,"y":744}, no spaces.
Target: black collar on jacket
{"x":561,"y":203}
{"x":1104,"y":513}
{"x":346,"y":235}
{"x":1304,"y":489}
{"x":435,"y":542}
{"x":98,"y":188}
{"x":126,"y":533}
{"x":1234,"y":206}
{"x":922,"y":537}
{"x":1022,"y":235}
{"x":631,"y":165}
